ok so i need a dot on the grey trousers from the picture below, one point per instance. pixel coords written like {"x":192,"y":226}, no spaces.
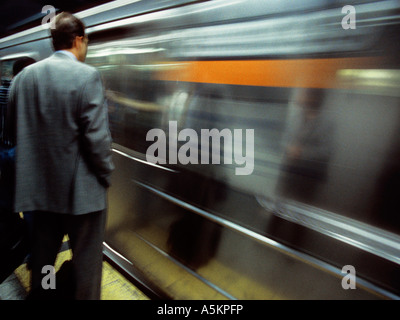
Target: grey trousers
{"x":86,"y":234}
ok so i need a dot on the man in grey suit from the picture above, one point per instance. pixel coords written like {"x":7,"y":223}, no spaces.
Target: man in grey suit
{"x":59,"y":124}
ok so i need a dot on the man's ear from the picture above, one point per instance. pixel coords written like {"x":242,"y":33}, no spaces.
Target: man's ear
{"x":76,"y":42}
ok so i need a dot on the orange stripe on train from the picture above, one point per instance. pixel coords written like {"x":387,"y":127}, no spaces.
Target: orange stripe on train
{"x":311,"y":73}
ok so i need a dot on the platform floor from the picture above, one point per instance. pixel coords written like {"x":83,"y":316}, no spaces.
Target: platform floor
{"x":114,"y":285}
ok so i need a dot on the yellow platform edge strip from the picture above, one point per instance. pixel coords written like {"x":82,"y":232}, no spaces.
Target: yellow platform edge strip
{"x":114,"y":286}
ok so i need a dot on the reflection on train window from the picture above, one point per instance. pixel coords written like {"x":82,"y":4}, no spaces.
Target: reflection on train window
{"x":141,"y":97}
{"x":131,"y":97}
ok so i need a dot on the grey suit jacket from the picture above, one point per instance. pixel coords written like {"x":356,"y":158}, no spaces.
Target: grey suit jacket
{"x":59,"y":123}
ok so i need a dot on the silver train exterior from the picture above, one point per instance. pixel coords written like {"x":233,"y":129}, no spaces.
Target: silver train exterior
{"x":315,"y":212}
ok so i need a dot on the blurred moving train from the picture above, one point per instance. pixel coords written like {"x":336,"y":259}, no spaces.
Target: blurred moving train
{"x":324,"y":104}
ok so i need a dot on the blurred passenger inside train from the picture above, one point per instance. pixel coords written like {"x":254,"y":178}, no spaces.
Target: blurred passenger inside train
{"x":59,"y":123}
{"x":13,"y":240}
{"x":7,"y":183}
{"x":309,"y":149}
{"x":387,"y":190}
{"x":7,"y":165}
{"x":192,"y":239}
{"x":5,"y":86}
{"x":18,"y":66}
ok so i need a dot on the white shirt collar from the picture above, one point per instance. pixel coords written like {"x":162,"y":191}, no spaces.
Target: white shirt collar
{"x":70,"y":54}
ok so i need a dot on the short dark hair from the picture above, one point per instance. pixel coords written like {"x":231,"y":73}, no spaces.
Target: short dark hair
{"x":21,"y":64}
{"x":67,"y":27}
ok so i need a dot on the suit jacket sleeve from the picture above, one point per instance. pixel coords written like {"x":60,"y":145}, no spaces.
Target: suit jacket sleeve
{"x":95,"y":133}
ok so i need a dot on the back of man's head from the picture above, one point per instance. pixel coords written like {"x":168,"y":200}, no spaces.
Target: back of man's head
{"x":67,"y":27}
{"x":22,"y":63}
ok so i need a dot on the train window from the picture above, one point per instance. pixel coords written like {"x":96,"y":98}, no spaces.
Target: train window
{"x":8,"y":63}
{"x":133,"y":98}
{"x":147,"y":89}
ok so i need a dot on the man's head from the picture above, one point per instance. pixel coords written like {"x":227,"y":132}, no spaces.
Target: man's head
{"x":20,"y":64}
{"x":69,"y":34}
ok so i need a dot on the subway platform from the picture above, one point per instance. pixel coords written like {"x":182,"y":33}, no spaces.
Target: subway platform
{"x":114,"y":285}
